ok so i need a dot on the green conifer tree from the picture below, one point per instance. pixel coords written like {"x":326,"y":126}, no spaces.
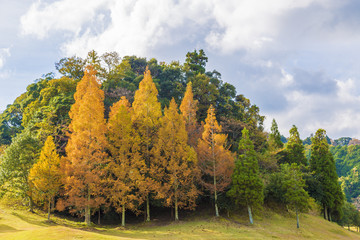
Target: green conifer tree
{"x":275,"y":137}
{"x":295,"y":148}
{"x":296,"y":197}
{"x":327,"y":191}
{"x":247,"y":186}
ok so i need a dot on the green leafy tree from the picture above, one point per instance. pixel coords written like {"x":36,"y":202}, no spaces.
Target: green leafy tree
{"x":275,"y":137}
{"x":247,"y":186}
{"x":72,"y":67}
{"x":15,"y":165}
{"x":295,"y":195}
{"x":295,"y":149}
{"x":327,"y":192}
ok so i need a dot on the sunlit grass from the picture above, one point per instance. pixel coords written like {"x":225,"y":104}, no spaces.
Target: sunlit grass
{"x":21,"y":224}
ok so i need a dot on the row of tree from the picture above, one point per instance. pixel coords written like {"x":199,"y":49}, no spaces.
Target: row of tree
{"x":110,"y":147}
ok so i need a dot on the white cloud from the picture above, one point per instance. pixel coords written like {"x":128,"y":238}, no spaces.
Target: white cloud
{"x":136,"y":27}
{"x":43,"y":18}
{"x":4,"y":53}
{"x":267,"y":42}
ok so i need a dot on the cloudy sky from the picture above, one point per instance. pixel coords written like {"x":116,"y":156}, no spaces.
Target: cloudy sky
{"x":298,"y":61}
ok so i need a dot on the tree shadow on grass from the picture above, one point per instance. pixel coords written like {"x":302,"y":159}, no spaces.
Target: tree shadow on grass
{"x":34,"y":221}
{"x":5,"y":228}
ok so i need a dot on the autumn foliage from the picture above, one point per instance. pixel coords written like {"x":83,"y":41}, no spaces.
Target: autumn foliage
{"x":126,"y":165}
{"x":85,"y":152}
{"x":45,"y":175}
{"x":216,"y":161}
{"x":176,"y":162}
{"x":146,"y":121}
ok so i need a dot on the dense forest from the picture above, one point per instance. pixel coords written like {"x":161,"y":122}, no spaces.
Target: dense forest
{"x":124,"y":135}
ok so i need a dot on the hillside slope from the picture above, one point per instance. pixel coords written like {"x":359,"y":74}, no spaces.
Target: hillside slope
{"x":17,"y":224}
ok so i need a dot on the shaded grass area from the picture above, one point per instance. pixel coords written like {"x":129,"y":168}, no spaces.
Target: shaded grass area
{"x":20,"y":224}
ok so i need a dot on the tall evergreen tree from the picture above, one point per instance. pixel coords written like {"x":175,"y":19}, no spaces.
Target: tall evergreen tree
{"x":126,"y":164}
{"x":293,"y":183}
{"x":146,"y":121}
{"x":85,"y":151}
{"x":177,"y":162}
{"x":45,"y":175}
{"x":275,"y":137}
{"x":328,"y":191}
{"x":295,"y":149}
{"x":247,"y":186}
{"x":216,"y":162}
{"x":188,"y":109}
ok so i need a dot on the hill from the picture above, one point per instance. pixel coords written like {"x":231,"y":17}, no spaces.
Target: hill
{"x":20,"y":224}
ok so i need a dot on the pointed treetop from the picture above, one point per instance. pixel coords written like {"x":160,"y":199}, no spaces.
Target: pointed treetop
{"x":114,"y":109}
{"x":188,"y":105}
{"x":211,"y":123}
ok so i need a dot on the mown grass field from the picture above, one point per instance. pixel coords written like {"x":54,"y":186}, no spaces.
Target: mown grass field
{"x":20,"y":224}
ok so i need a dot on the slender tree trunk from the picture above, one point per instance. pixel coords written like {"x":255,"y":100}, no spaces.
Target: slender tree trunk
{"x":123,"y":216}
{"x":87,"y":211}
{"x":329,"y":214}
{"x":49,"y":208}
{"x":31,"y":204}
{"x":326,"y":213}
{"x":250,"y":215}
{"x":176,"y":209}
{"x":172,"y":212}
{"x":297,"y":219}
{"x":99,"y":216}
{"x":214,"y":162}
{"x":147,"y":208}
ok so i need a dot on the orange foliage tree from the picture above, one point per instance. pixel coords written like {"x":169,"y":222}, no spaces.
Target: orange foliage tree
{"x":85,"y":151}
{"x":146,"y":120}
{"x":176,"y":162}
{"x":188,"y":109}
{"x":45,"y":175}
{"x":216,"y":161}
{"x":126,"y":164}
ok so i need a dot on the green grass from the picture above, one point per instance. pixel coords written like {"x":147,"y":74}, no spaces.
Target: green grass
{"x":20,"y":224}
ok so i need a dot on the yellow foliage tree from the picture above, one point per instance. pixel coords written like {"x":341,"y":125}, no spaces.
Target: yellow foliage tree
{"x":126,"y":165}
{"x":146,"y":120}
{"x":45,"y":175}
{"x":85,"y":152}
{"x":176,"y":162}
{"x":188,"y":109}
{"x":216,"y":161}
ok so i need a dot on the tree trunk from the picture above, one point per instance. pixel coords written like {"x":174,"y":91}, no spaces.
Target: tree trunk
{"x":297,"y":219}
{"x":31,"y":204}
{"x":216,"y":206}
{"x":329,"y":214}
{"x":250,"y":215}
{"x":176,"y":210}
{"x":49,"y":208}
{"x":123,"y":216}
{"x":326,"y":213}
{"x":147,"y":208}
{"x":87,"y":211}
{"x":214,"y":162}
{"x":99,"y":216}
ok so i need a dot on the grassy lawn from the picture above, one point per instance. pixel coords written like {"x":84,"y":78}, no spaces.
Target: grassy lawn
{"x":20,"y":224}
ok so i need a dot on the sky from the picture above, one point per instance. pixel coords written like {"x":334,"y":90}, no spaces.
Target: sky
{"x":298,"y":61}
